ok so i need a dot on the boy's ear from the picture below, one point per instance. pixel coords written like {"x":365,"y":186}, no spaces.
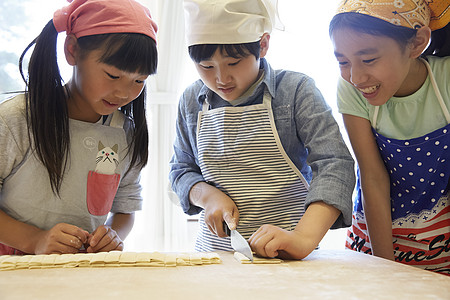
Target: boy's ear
{"x":71,"y":49}
{"x":420,"y":42}
{"x":264,"y":44}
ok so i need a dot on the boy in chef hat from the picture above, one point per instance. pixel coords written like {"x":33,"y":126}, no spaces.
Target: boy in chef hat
{"x":256,"y":148}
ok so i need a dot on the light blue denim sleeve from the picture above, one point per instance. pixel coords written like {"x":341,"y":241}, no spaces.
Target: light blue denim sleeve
{"x":184,"y":169}
{"x":331,"y":163}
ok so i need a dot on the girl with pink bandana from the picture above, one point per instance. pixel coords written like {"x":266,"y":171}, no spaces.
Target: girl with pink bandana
{"x":395,"y":100}
{"x":71,"y":153}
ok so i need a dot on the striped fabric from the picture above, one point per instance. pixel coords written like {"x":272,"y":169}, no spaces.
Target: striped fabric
{"x":421,"y":240}
{"x":241,"y":154}
{"x":427,"y":244}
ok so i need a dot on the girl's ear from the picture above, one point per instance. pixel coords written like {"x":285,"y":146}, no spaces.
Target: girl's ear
{"x":420,"y":42}
{"x":71,"y":49}
{"x":264,"y":44}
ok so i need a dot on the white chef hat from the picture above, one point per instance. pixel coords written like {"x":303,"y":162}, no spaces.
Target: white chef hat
{"x":229,"y":21}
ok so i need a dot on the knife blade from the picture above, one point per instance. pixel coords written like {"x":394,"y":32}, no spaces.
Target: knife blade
{"x":238,"y":242}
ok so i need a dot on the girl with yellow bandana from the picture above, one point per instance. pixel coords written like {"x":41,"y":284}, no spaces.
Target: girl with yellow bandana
{"x":395,"y":100}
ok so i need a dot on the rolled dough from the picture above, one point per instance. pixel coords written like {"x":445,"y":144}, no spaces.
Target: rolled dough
{"x":107,"y":259}
{"x":256,"y":260}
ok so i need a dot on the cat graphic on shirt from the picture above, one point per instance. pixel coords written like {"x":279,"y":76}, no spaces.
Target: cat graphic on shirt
{"x":107,"y":159}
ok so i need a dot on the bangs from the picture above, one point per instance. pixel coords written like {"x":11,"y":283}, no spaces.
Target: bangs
{"x":370,"y":25}
{"x":129,"y":52}
{"x":202,"y":52}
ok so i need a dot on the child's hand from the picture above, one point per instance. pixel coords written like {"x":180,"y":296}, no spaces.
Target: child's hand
{"x":272,"y":241}
{"x":220,"y":208}
{"x":217,"y":205}
{"x":104,"y":239}
{"x":62,"y":238}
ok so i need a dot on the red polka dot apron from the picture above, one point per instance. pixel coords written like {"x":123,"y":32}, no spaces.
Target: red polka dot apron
{"x":419,"y":171}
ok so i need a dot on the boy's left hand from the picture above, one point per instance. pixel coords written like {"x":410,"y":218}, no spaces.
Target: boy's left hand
{"x":104,"y":239}
{"x":273,"y":241}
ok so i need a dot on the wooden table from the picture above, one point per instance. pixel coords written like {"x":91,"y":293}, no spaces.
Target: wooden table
{"x":325,"y":274}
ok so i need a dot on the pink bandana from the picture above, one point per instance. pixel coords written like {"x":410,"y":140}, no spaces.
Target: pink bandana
{"x":89,"y":17}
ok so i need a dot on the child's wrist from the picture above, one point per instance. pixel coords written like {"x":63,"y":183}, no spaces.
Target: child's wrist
{"x":195,"y":194}
{"x":302,"y":244}
{"x":199,"y":194}
{"x":31,"y":244}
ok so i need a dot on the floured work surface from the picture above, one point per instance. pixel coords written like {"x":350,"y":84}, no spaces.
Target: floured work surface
{"x":256,"y":260}
{"x":324,"y":274}
{"x":107,"y":259}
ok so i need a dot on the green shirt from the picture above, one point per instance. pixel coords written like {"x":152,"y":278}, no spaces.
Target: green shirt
{"x":403,"y":117}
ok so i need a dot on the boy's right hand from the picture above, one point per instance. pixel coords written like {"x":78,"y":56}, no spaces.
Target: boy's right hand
{"x":62,"y":238}
{"x":218,"y":207}
{"x":218,"y":210}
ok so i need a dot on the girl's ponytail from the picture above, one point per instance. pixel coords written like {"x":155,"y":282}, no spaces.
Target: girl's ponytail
{"x":440,"y":42}
{"x":46,"y":106}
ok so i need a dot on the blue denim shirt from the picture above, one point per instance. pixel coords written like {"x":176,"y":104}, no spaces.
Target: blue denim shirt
{"x":308,"y":132}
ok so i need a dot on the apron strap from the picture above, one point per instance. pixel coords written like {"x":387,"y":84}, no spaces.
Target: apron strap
{"x":375,"y":116}
{"x":267,"y":98}
{"x":205,"y":105}
{"x":436,"y":91}
{"x":118,"y":119}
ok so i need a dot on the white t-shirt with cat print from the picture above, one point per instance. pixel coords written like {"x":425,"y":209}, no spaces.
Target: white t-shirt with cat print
{"x":94,"y":182}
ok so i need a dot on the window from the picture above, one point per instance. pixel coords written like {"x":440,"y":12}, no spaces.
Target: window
{"x":20,"y":22}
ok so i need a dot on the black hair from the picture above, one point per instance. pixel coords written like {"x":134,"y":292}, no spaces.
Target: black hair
{"x":440,"y":42}
{"x":202,"y":52}
{"x":46,"y":95}
{"x":439,"y":45}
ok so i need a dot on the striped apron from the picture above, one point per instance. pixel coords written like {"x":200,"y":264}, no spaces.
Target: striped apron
{"x":419,"y":173}
{"x":240,"y":153}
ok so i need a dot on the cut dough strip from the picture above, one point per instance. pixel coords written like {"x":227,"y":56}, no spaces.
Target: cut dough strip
{"x":256,"y":260}
{"x":107,"y":259}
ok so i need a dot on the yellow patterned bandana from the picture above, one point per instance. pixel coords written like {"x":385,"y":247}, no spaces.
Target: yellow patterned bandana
{"x":407,"y":13}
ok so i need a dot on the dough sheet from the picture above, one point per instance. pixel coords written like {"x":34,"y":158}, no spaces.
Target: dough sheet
{"x":107,"y":259}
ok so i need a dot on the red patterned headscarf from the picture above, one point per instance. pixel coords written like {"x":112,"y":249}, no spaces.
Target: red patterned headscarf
{"x":89,"y":17}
